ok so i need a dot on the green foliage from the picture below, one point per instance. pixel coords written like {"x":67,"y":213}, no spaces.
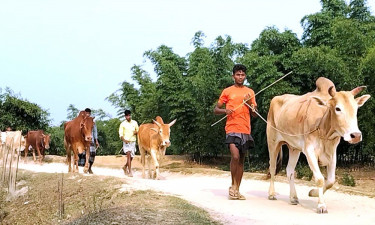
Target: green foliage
{"x":56,"y":140}
{"x":108,"y":137}
{"x":338,"y":42}
{"x":347,"y":180}
{"x":72,"y":112}
{"x":303,"y":172}
{"x":335,"y":44}
{"x":21,"y":114}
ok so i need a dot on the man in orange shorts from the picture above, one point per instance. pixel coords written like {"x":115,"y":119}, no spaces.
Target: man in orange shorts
{"x":237,"y":128}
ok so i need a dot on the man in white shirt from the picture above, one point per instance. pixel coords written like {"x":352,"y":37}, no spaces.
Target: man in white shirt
{"x":127,"y":132}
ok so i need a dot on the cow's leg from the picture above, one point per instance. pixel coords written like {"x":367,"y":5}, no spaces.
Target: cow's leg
{"x":86,"y":168}
{"x":290,"y":171}
{"x":68,"y":155}
{"x":330,"y":181}
{"x":156,"y":164}
{"x":26,"y":152}
{"x":43,"y":154}
{"x":273,"y":150}
{"x":34,"y":156}
{"x":39,"y":155}
{"x":143,"y":157}
{"x":331,"y":173}
{"x":150,"y":170}
{"x":319,"y":178}
{"x":75,"y":162}
{"x":69,"y":160}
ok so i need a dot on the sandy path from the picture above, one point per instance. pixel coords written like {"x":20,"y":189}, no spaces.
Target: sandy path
{"x":210,"y":193}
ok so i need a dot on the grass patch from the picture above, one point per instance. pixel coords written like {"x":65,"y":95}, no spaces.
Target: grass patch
{"x":93,"y":200}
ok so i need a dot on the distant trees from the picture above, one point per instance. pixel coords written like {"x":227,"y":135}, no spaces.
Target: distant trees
{"x":20,"y":114}
{"x":338,"y":43}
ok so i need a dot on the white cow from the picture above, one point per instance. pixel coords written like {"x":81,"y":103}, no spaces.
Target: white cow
{"x":313,"y":124}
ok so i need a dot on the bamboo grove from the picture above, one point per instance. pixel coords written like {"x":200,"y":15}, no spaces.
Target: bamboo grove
{"x":338,"y":42}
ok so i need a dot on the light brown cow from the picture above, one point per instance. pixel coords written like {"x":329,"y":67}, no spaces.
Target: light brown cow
{"x":14,"y":140}
{"x":313,"y":124}
{"x":77,"y":138}
{"x":39,"y":141}
{"x":153,"y":139}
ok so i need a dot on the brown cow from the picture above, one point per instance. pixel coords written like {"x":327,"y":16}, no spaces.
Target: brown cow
{"x":313,"y":124}
{"x":77,"y":138}
{"x":153,"y":139}
{"x":39,"y":141}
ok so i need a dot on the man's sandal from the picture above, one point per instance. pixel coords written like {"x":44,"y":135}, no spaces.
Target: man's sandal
{"x":241,"y":197}
{"x":235,"y":195}
{"x":232,"y":194}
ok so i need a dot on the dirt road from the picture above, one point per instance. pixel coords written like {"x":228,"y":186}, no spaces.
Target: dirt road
{"x":210,"y":193}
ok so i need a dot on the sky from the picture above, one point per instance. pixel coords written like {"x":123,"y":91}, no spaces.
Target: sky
{"x":62,"y":52}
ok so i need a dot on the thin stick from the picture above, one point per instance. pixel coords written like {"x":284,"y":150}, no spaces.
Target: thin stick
{"x":253,"y":97}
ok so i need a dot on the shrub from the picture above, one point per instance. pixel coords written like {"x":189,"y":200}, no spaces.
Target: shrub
{"x":347,"y":180}
{"x":304,"y":172}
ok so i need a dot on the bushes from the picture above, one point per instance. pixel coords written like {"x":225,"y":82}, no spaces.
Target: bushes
{"x":304,"y":172}
{"x":347,"y":180}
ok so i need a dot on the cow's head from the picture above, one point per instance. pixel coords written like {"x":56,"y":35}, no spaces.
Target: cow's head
{"x":343,"y":109}
{"x":46,"y":139}
{"x":23,"y":143}
{"x":86,"y":127}
{"x":164,"y":131}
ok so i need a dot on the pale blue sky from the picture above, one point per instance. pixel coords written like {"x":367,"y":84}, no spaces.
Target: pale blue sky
{"x":56,"y":53}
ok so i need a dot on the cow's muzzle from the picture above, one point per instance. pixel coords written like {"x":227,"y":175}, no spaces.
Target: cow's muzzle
{"x":88,"y":138}
{"x":166,"y":143}
{"x":355,"y":137}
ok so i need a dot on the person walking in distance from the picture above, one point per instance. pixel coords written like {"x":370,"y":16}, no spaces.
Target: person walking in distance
{"x":127,"y":132}
{"x":237,"y":128}
{"x":94,"y":145}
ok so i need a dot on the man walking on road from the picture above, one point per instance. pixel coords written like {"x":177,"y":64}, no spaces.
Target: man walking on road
{"x":127,"y":132}
{"x":237,"y":128}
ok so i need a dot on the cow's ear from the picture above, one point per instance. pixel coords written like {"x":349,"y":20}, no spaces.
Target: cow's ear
{"x":362,"y":100}
{"x":154,"y":129}
{"x":332,"y":91}
{"x":319,"y":101}
{"x":171,"y":123}
{"x":356,"y":90}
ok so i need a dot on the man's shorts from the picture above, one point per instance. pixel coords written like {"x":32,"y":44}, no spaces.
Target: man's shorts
{"x":243,"y":142}
{"x":82,"y":157}
{"x":129,"y":147}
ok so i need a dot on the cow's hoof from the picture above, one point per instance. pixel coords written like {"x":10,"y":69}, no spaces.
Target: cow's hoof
{"x":85,"y":170}
{"x":314,"y":193}
{"x":322,"y":209}
{"x":294,"y":201}
{"x":272,"y":197}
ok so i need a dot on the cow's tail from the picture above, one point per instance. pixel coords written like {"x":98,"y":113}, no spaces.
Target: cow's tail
{"x":279,"y":161}
{"x":278,"y":165}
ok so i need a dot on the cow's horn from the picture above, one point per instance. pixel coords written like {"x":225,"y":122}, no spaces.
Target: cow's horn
{"x":356,"y":90}
{"x":171,"y":123}
{"x":157,"y":123}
